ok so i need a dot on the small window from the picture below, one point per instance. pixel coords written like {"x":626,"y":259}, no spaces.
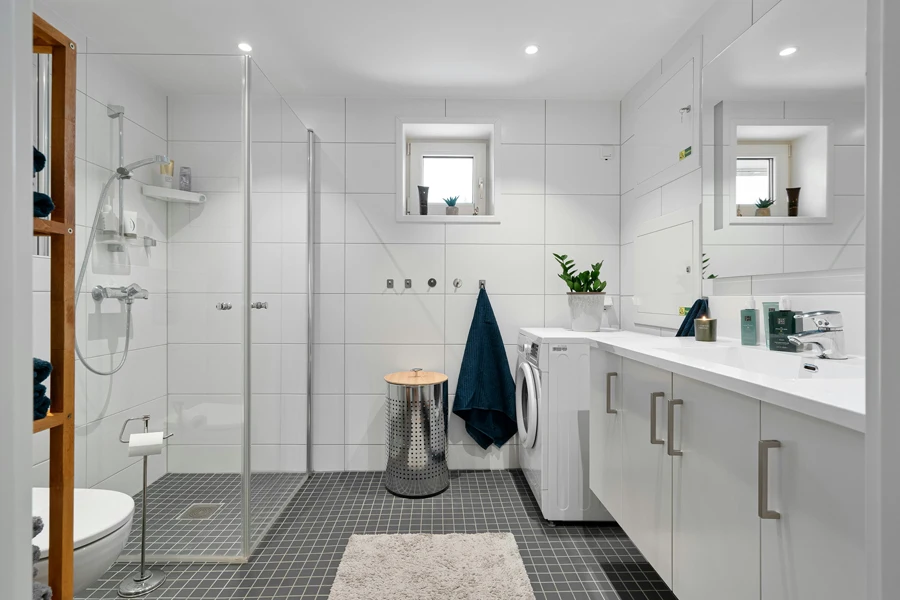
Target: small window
{"x":448,"y":176}
{"x":755,"y":179}
{"x":447,"y":169}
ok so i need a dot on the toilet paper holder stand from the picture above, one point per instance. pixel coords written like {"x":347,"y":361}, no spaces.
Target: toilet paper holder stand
{"x":143,"y":581}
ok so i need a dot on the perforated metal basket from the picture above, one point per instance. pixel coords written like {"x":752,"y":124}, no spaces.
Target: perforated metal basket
{"x":416,"y":433}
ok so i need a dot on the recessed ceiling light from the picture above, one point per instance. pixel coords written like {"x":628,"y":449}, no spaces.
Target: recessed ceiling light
{"x":532,"y":49}
{"x":245,"y":47}
{"x":787,"y":51}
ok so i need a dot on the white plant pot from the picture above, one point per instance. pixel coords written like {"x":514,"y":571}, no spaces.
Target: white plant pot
{"x":586,"y":310}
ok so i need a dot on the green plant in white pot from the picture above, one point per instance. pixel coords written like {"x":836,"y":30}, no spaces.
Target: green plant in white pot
{"x":452,"y":208}
{"x":587,"y":297}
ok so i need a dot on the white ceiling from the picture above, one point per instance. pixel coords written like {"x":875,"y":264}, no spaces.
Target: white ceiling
{"x":450,"y":48}
{"x":830,"y":63}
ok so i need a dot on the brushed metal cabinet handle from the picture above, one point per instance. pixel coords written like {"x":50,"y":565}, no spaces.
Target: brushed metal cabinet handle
{"x":609,"y":409}
{"x":763,"y":485}
{"x":653,"y":397}
{"x":671,"y":427}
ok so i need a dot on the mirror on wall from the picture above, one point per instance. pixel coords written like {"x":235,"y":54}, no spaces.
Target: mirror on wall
{"x":784,"y":143}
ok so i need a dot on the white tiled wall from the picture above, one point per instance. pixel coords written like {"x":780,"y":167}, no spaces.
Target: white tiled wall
{"x":560,"y":196}
{"x":103,"y":403}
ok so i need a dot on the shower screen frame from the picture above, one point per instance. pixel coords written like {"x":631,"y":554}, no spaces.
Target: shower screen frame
{"x":251,"y":533}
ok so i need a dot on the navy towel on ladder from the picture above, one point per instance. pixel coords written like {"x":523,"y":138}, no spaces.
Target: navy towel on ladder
{"x":486,"y":392}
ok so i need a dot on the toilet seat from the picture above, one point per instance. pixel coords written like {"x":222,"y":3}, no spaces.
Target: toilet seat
{"x":98,"y":513}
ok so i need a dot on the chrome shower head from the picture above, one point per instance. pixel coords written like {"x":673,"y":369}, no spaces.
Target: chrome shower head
{"x":125,"y":172}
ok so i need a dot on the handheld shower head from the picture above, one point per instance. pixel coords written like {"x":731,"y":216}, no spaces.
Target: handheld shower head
{"x":125,"y":172}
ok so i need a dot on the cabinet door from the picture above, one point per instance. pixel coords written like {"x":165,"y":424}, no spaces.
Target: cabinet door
{"x":666,"y":124}
{"x":647,"y":474}
{"x":816,"y":549}
{"x":606,"y":430}
{"x":715,"y":526}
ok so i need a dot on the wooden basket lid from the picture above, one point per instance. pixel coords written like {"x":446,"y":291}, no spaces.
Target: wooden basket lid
{"x":415,"y":377}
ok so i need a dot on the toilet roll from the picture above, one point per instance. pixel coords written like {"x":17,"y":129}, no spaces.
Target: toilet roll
{"x":145,"y":444}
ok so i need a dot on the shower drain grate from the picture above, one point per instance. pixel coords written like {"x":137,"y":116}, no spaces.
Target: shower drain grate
{"x":200,"y":511}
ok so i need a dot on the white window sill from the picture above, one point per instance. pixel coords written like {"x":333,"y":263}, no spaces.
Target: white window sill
{"x":450,"y":219}
{"x":753,"y":220}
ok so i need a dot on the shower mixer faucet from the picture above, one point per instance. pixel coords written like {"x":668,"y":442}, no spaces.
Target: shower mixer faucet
{"x":127,"y":293}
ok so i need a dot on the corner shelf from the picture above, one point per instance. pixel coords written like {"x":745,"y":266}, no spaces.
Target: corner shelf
{"x":171,"y":195}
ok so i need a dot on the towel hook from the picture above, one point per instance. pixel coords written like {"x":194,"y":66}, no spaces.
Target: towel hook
{"x":481,"y":284}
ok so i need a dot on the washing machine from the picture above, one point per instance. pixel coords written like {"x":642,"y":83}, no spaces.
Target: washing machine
{"x":553,"y":413}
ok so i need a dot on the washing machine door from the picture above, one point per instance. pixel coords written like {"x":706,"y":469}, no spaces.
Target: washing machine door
{"x":528,"y":390}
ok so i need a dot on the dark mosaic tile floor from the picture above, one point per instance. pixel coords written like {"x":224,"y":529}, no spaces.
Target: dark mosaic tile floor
{"x":220,"y":535}
{"x":299,"y":556}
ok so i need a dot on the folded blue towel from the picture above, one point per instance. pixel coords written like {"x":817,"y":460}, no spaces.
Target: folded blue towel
{"x":486,"y":392}
{"x":41,"y":401}
{"x":699,"y":309}
{"x":39,"y":160}
{"x":42,"y":370}
{"x":43,"y":205}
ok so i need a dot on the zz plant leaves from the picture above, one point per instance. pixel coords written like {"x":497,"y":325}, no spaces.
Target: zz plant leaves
{"x":584,"y":281}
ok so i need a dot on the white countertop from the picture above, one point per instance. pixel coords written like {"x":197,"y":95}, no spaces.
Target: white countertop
{"x":838,"y":401}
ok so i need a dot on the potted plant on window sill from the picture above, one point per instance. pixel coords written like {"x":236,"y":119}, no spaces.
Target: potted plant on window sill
{"x":452,"y":208}
{"x":587,"y":299}
{"x":763,"y":207}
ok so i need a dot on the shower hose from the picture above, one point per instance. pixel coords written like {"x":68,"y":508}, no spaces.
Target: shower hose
{"x":84,"y":265}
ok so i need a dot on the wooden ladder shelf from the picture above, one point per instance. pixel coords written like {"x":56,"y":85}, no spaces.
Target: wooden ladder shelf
{"x":61,"y":230}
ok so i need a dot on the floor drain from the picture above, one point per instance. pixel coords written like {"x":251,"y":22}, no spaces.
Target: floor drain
{"x":200,"y":511}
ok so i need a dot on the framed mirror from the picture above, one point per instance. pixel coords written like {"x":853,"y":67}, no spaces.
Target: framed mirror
{"x":784,"y":143}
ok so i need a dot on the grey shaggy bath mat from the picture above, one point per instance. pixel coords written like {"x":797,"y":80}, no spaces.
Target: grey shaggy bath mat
{"x":455,"y":566}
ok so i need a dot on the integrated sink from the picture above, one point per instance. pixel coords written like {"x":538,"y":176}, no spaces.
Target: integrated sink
{"x":782,"y":365}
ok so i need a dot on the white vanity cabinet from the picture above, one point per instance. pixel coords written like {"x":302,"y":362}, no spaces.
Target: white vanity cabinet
{"x":727,"y":496}
{"x":606,"y":429}
{"x":646,"y":514}
{"x":715,"y":526}
{"x":815,"y":550}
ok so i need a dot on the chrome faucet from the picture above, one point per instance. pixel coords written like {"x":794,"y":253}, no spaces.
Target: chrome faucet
{"x":828,"y":337}
{"x":127,"y":293}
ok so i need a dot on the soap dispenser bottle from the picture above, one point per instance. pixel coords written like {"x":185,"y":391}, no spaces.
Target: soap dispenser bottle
{"x":749,"y":319}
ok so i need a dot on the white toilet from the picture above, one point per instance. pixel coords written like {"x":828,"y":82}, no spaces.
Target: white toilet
{"x":101,"y":528}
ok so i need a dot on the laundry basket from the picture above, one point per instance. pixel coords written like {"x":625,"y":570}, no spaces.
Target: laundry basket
{"x":416,"y":434}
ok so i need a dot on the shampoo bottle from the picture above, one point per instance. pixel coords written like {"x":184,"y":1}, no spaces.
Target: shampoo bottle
{"x":749,"y":318}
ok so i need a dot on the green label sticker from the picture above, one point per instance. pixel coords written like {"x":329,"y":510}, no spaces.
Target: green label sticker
{"x":684,"y":153}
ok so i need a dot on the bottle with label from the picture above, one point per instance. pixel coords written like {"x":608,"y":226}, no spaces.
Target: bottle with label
{"x":781,"y":325}
{"x":749,"y":318}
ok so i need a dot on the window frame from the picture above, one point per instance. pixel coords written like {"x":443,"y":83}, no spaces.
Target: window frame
{"x":418,"y":150}
{"x":773,"y":167}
